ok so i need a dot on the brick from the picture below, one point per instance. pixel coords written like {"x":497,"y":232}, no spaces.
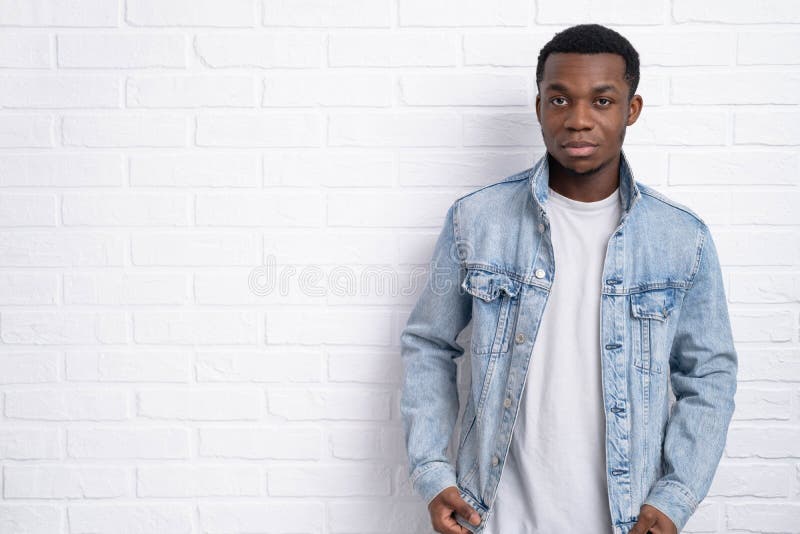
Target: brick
{"x":88,"y":518}
{"x":464,"y":90}
{"x":311,"y":168}
{"x":190,"y":13}
{"x":752,"y":480}
{"x":122,"y":51}
{"x":125,"y":209}
{"x":129,"y":366}
{"x":775,"y":326}
{"x":762,"y":517}
{"x":115,"y":288}
{"x":68,"y":405}
{"x":199,"y":481}
{"x":323,"y":14}
{"x":196,"y":248}
{"x":261,"y":285}
{"x":329,"y":88}
{"x":504,"y":49}
{"x":765,"y":287}
{"x":767,"y":404}
{"x":275,"y":442}
{"x":201,"y":405}
{"x":26,"y":209}
{"x":738,"y":167}
{"x":61,"y":170}
{"x":668,"y":127}
{"x":190,"y":91}
{"x":683,"y":48}
{"x":773,"y":364}
{"x":765,"y":207}
{"x":502,"y":129}
{"x":271,"y":50}
{"x":758,"y":247}
{"x":24,"y":51}
{"x":368,"y":367}
{"x":96,"y":13}
{"x":332,"y":326}
{"x":262,"y":516}
{"x":460,"y":169}
{"x":331,"y":404}
{"x":28,"y":288}
{"x":125,"y":443}
{"x":283,"y":365}
{"x":463,"y":13}
{"x":46,"y":91}
{"x":364,"y":209}
{"x":333,"y":247}
{"x":29,"y":368}
{"x":32,"y":443}
{"x":60,"y":249}
{"x":736,"y":88}
{"x":720,"y":11}
{"x":763,"y":442}
{"x":394,"y":129}
{"x":771,"y":47}
{"x":66,"y":482}
{"x":615,"y":12}
{"x":766,"y":127}
{"x":63,"y":328}
{"x":390,"y":516}
{"x":383,"y":49}
{"x":196,"y":169}
{"x":263,"y":130}
{"x":195,"y":327}
{"x":329,"y":481}
{"x":125,"y":131}
{"x":270,"y":209}
{"x":34,"y":518}
{"x":28,"y":131}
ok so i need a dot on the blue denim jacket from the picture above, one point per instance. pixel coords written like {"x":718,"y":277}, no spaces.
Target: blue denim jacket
{"x":663,"y":320}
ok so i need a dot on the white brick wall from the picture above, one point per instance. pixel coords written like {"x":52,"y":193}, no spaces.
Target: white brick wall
{"x":156,"y":157}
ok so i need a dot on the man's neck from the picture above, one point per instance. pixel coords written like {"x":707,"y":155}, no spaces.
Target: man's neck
{"x":590,"y":187}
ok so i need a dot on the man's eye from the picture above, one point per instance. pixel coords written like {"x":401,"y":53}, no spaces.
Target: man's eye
{"x":604,"y":102}
{"x":559,"y":99}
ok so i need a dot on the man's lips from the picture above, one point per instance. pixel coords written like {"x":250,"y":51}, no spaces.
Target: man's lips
{"x":580,"y":149}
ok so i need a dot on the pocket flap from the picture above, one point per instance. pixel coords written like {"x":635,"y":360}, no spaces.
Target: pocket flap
{"x":488,"y":285}
{"x":654,"y":303}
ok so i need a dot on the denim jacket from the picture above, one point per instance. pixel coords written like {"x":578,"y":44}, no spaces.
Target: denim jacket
{"x":663,"y":322}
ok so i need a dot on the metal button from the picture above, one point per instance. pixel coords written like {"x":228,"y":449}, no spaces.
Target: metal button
{"x":541,"y":228}
{"x":507,"y":403}
{"x":539,"y":273}
{"x":495,"y":460}
{"x":520,"y":338}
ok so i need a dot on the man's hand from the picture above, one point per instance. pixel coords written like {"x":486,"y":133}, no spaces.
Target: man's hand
{"x":442,"y":507}
{"x":654,"y":521}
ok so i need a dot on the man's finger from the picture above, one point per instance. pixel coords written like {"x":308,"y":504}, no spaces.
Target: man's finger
{"x":643,"y":524}
{"x":463,"y":509}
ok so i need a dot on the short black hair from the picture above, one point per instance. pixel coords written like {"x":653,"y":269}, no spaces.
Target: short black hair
{"x":592,"y":39}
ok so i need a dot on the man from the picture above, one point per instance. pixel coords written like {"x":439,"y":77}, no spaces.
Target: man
{"x":589,"y":293}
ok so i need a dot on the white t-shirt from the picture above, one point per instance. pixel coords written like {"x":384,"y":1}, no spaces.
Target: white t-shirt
{"x":554,"y":479}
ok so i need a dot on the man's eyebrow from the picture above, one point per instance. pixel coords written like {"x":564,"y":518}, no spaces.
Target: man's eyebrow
{"x":555,"y":86}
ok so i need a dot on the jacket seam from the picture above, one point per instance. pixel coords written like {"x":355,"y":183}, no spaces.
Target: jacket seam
{"x":652,"y":193}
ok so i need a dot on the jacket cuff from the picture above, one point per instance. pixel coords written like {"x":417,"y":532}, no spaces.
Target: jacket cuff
{"x":432,"y":479}
{"x":673,"y":499}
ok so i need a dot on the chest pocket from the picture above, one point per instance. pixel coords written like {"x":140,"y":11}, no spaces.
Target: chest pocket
{"x":495,"y":305}
{"x":651,"y":311}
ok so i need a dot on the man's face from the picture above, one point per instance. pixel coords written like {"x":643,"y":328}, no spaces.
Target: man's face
{"x":583,"y":100}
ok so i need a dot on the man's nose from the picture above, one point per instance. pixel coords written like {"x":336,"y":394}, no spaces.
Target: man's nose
{"x":579,"y":117}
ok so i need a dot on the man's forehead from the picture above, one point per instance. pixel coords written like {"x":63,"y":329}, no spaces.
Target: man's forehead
{"x":564,"y":70}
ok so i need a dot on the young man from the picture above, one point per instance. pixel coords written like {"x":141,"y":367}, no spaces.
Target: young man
{"x":589,"y":293}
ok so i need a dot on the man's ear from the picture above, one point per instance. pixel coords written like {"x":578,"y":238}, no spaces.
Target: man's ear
{"x":634,"y":109}
{"x":538,"y":116}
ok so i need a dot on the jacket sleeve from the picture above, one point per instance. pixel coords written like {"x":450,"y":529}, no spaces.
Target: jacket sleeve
{"x":429,"y":398}
{"x":703,"y":366}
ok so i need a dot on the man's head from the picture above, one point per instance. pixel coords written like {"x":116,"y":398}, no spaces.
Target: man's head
{"x":587,"y":77}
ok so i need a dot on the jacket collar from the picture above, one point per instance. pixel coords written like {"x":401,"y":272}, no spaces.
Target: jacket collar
{"x":628,"y":190}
